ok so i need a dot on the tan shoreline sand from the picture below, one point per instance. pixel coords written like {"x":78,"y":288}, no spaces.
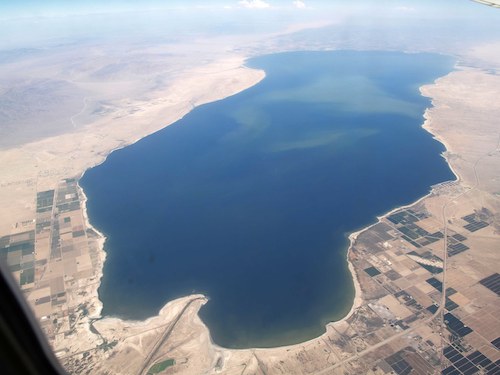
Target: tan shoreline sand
{"x":216,"y":355}
{"x":378,"y":323}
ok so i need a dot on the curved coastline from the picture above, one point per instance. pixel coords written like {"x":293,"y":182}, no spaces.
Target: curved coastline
{"x":358,"y":294}
{"x":253,"y":77}
{"x":337,"y":347}
{"x":358,"y":298}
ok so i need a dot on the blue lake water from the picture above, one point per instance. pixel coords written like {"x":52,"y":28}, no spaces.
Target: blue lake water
{"x":249,"y":199}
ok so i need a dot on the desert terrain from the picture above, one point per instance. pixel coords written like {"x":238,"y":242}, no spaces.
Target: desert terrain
{"x":426,"y":275}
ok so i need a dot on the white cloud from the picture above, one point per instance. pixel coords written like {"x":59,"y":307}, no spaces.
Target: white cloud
{"x":405,"y":9}
{"x":299,"y":4}
{"x":254,"y":4}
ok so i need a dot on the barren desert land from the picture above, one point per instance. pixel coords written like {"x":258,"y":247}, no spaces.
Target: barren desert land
{"x":426,"y":275}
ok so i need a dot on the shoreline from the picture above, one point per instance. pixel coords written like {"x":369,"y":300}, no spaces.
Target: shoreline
{"x":102,"y":237}
{"x":358,"y":293}
{"x":101,"y":240}
{"x":357,"y":302}
{"x":48,"y":163}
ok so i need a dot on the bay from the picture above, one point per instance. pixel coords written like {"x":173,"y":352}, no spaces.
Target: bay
{"x":249,"y":200}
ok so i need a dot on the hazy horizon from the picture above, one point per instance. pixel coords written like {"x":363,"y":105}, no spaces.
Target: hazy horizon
{"x":29,"y":24}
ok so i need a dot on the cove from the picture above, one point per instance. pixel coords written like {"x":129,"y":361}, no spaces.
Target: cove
{"x":249,"y":200}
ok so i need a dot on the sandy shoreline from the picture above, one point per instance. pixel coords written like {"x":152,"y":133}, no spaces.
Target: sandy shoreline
{"x":100,"y":243}
{"x":248,"y":76}
{"x":426,"y":125}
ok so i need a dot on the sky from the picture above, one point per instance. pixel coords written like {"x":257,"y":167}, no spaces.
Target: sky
{"x":28,"y":23}
{"x":12,"y":8}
